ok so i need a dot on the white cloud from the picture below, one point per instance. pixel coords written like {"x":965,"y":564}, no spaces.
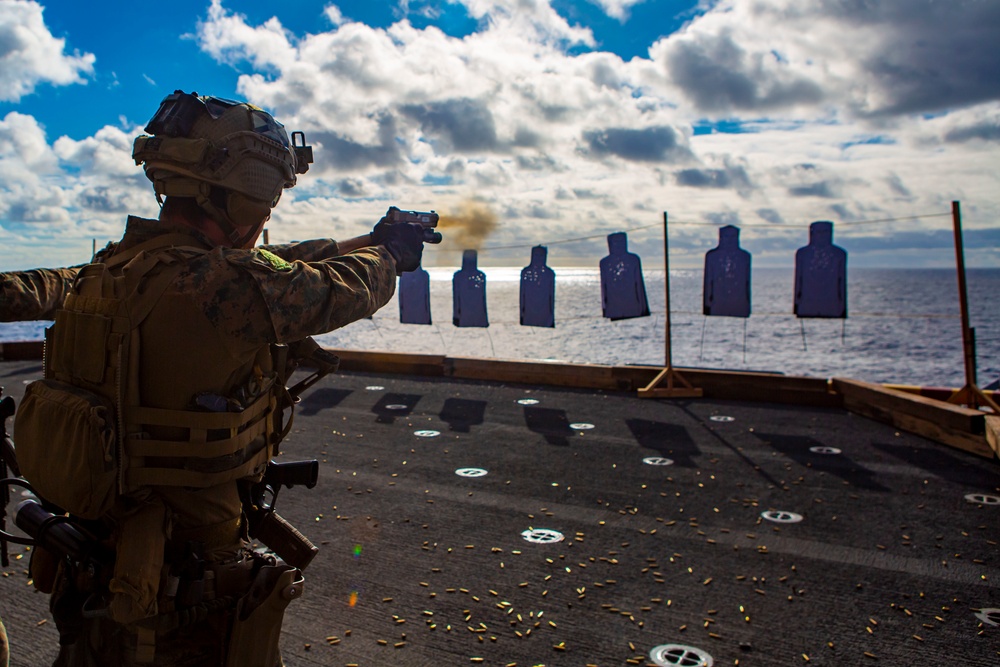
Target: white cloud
{"x":228,"y":38}
{"x":617,"y":9}
{"x":510,"y":116}
{"x":562,"y":141}
{"x":23,"y":144}
{"x":334,"y":15}
{"x":863,"y":59}
{"x":531,"y":19}
{"x":27,"y":164}
{"x":31,"y":55}
{"x":108,"y":152}
{"x":74,"y":191}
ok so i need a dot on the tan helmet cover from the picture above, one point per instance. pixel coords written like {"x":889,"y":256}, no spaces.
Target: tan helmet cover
{"x":232,"y":151}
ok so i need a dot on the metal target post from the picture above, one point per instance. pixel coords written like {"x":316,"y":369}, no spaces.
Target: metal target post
{"x":672,"y":377}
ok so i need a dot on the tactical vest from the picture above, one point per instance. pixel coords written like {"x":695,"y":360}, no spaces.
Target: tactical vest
{"x":85,"y":435}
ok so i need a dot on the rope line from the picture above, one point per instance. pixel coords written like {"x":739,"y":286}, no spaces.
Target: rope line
{"x":806,"y":226}
{"x":548,"y":243}
{"x":699,"y":223}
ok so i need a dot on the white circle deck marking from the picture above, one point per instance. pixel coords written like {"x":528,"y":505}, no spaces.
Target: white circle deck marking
{"x":989,"y":616}
{"x":679,"y":655}
{"x":528,"y":401}
{"x":542,"y":536}
{"x":780,"y":516}
{"x":581,"y":426}
{"x":471,"y":472}
{"x":397,"y":406}
{"x":722,"y":418}
{"x":374,"y":387}
{"x":427,"y":434}
{"x":983,"y":499}
{"x":824,"y":450}
{"x":658,"y":461}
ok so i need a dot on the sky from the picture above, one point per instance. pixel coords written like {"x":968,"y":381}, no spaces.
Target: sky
{"x":526,"y":122}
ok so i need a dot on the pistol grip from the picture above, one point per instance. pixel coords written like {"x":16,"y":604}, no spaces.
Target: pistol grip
{"x":280,"y":536}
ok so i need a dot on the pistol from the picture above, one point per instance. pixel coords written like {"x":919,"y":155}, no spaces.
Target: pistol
{"x":428,"y":219}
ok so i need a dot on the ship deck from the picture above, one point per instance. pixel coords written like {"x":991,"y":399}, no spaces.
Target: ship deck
{"x":661,"y":507}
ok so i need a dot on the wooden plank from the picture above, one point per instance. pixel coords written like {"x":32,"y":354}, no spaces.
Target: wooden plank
{"x":769,"y":387}
{"x":948,"y":424}
{"x":391,"y":362}
{"x":940,"y":393}
{"x":993,"y":433}
{"x":675,"y":392}
{"x":713,"y":384}
{"x":741,"y":386}
{"x":969,"y":442}
{"x":726,"y":385}
{"x":588,"y":376}
{"x":892,"y":404}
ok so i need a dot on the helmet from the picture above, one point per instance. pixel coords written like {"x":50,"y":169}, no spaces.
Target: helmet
{"x":232,"y":157}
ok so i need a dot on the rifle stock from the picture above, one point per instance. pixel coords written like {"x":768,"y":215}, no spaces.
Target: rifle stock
{"x":268,"y":526}
{"x":8,"y":465}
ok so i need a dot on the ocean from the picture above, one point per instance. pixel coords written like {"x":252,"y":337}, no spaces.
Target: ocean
{"x":903,"y":326}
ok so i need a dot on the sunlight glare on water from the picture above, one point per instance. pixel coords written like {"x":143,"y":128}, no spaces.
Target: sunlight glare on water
{"x":903,"y":326}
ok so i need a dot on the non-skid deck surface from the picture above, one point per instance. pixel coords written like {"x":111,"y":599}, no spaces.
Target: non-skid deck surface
{"x":894,"y":561}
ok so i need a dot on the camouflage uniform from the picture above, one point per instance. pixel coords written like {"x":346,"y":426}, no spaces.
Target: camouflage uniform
{"x":25,"y":296}
{"x":256,"y":298}
{"x":320,"y":293}
{"x":34,"y":295}
{"x":240,"y":301}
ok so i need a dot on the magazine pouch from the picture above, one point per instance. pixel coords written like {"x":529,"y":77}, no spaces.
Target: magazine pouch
{"x":66,"y":447}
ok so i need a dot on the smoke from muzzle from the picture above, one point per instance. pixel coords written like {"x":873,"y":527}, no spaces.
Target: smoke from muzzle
{"x":467,"y":225}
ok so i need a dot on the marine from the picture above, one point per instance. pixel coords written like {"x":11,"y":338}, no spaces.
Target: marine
{"x":119,"y":432}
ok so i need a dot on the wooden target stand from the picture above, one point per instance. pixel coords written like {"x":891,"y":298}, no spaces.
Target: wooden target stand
{"x":970,"y":394}
{"x":669,"y":383}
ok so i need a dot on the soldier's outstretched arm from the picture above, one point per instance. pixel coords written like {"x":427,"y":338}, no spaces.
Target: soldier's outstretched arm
{"x":296,"y":299}
{"x":35,"y":294}
{"x":318,"y":249}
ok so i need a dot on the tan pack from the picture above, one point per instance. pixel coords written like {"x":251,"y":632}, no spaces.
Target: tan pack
{"x":82,"y":431}
{"x":68,"y":452}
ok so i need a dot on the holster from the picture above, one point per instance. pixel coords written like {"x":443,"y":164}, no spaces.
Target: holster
{"x":257,"y":619}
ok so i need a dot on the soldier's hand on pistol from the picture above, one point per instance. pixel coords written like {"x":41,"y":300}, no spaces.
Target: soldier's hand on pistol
{"x":405,"y":242}
{"x":380,"y":232}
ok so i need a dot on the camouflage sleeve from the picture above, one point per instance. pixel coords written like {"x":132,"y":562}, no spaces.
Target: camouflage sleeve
{"x":35,"y":294}
{"x":308,"y":298}
{"x":305,"y":251}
